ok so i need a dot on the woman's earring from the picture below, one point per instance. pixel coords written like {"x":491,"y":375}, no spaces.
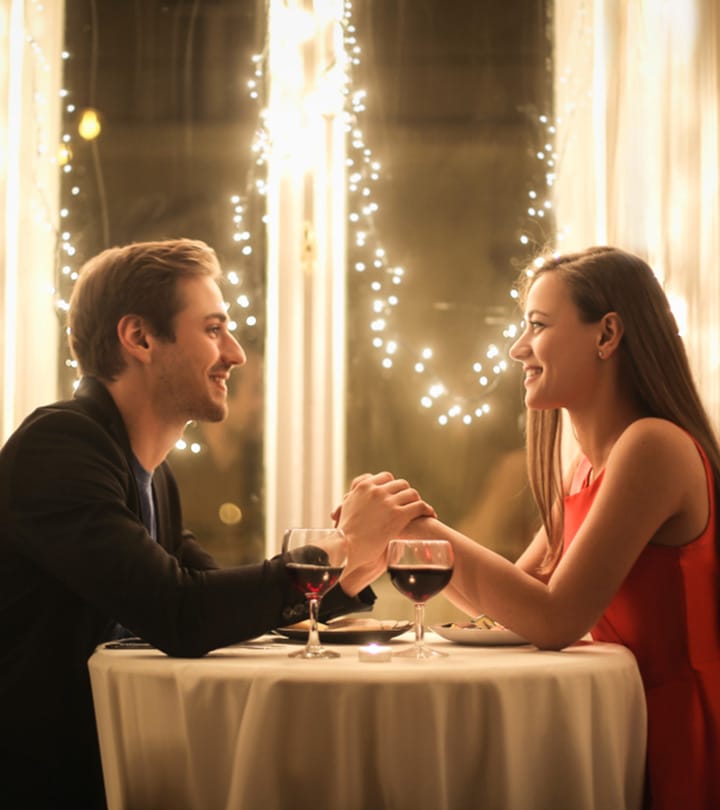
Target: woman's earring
{"x":601,"y":355}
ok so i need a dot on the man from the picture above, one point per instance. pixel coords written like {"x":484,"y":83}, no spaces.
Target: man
{"x":221,"y":487}
{"x":91,"y":537}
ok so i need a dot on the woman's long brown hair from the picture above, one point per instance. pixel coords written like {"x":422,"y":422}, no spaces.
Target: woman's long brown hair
{"x":654,"y":365}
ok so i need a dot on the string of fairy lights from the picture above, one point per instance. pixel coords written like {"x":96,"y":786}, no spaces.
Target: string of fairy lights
{"x":368,"y":259}
{"x":242,"y":309}
{"x":244,"y":300}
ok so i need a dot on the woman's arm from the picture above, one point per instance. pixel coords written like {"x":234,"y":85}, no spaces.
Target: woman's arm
{"x":654,"y":489}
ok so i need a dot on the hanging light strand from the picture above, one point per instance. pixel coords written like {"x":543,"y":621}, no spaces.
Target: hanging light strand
{"x":385,"y":281}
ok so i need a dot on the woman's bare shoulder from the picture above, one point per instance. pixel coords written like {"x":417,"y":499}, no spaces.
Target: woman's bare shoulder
{"x":655,"y":443}
{"x":652,"y":429}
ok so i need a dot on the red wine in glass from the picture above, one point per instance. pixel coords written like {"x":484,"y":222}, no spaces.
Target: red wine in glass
{"x":420,"y":569}
{"x":419,"y":583}
{"x":314,"y":561}
{"x":313,"y":580}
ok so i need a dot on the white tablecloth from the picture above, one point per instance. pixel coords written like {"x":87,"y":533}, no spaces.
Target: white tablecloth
{"x":497,"y":728}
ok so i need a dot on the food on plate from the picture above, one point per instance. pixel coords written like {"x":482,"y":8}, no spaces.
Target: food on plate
{"x":365,"y":623}
{"x":481,"y":622}
{"x":304,"y":625}
{"x":349,"y":623}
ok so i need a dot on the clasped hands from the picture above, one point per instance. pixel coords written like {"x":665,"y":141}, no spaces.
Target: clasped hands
{"x":376,"y":508}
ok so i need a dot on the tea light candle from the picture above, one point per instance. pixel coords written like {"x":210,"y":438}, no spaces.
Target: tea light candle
{"x":375,"y":652}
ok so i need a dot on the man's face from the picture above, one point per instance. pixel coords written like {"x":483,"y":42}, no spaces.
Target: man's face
{"x":192,"y":372}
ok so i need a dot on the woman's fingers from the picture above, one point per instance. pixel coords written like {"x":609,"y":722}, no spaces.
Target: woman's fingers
{"x":371,"y":478}
{"x":359,"y":479}
{"x":396,"y":485}
{"x":385,"y":486}
{"x":407,"y":495}
{"x":417,"y":509}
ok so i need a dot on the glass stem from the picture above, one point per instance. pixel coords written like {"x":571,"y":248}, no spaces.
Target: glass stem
{"x":419,"y":624}
{"x":313,"y":642}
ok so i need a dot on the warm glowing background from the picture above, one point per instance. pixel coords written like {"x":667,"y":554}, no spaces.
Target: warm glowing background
{"x":374,"y":298}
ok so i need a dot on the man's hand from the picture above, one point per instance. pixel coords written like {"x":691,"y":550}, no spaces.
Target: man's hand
{"x":377,"y":508}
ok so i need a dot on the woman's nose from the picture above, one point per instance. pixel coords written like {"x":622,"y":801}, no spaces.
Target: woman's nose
{"x":519,"y":349}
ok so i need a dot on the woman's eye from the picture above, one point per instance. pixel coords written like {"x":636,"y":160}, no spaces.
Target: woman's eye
{"x":535,"y":325}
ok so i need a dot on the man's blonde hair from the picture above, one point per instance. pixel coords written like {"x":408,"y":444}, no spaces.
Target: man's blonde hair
{"x":137,"y":279}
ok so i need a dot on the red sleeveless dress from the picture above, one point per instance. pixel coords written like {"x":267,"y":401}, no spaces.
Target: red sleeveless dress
{"x":667,"y":613}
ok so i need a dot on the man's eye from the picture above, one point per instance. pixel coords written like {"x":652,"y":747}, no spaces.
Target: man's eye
{"x":214,"y":330}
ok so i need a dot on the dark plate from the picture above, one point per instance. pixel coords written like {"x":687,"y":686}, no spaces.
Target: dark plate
{"x":349,"y":635}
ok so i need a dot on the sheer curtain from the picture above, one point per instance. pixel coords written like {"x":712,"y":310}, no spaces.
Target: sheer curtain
{"x":30,"y":44}
{"x":637,"y":94}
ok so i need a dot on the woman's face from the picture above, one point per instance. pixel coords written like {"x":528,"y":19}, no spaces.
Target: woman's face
{"x":558,"y":352}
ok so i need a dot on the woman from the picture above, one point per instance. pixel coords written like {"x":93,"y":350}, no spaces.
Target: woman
{"x":629,"y":544}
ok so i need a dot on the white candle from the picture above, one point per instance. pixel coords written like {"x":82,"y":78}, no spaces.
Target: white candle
{"x":375,"y":652}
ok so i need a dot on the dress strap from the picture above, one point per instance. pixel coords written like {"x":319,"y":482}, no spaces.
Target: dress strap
{"x":581,"y":475}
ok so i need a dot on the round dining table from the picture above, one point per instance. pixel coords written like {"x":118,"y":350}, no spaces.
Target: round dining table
{"x":488,"y":727}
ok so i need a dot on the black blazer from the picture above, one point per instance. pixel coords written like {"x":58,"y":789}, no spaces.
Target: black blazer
{"x":75,"y":559}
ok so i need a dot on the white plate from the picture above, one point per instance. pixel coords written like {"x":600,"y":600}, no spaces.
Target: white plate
{"x":477,"y":637}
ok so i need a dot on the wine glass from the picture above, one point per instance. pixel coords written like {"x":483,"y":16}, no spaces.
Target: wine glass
{"x":419,"y":569}
{"x":315,"y":558}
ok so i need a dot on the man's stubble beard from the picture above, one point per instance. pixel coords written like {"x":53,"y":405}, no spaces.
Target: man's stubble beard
{"x":177,"y":405}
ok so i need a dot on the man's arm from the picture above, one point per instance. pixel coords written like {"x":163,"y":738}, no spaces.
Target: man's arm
{"x":65,"y":494}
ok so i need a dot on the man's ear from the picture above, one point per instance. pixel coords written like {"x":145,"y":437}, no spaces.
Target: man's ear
{"x":611,"y":332}
{"x":132,"y":335}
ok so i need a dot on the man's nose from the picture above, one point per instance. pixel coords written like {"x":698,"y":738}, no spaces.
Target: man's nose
{"x":234,"y":352}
